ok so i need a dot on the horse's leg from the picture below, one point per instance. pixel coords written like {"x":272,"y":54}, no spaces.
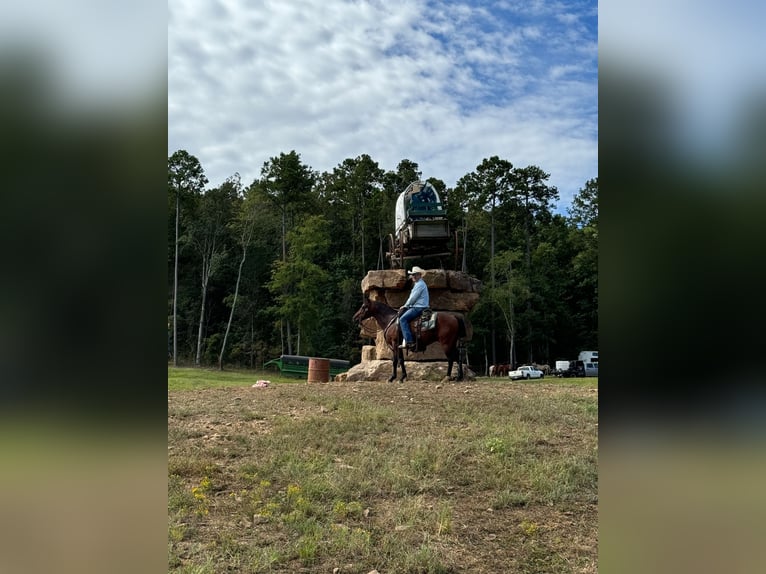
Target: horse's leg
{"x":452,"y":357}
{"x":401,"y":362}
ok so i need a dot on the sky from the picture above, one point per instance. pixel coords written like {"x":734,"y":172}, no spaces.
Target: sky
{"x":444,"y":84}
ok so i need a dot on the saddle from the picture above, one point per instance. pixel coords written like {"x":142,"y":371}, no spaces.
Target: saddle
{"x":425,"y":322}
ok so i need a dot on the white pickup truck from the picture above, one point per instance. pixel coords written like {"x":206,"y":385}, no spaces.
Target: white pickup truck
{"x":525,"y":372}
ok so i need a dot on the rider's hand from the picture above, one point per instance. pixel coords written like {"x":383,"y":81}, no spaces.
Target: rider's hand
{"x":401,"y":311}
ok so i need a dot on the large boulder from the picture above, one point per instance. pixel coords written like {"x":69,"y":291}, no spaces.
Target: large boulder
{"x":451,"y":291}
{"x":442,"y":300}
{"x":416,"y":371}
{"x":384,"y":279}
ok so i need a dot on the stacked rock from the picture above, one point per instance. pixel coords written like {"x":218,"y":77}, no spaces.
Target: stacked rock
{"x":450,"y":291}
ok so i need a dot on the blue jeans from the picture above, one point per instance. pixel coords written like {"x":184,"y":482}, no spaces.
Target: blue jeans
{"x":404,"y":322}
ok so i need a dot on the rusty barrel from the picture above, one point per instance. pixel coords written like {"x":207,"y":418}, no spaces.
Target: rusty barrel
{"x":319,"y":370}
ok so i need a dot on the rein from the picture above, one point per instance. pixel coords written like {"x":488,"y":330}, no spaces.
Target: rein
{"x":391,"y":322}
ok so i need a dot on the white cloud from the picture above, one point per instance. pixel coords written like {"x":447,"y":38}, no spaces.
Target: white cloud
{"x":442,"y":84}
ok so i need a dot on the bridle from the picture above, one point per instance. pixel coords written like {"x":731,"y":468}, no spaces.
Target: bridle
{"x":385,"y":329}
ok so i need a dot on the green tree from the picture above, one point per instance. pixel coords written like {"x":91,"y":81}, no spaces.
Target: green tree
{"x":289,"y":183}
{"x":484,"y":188}
{"x":210,"y":234}
{"x":299,"y":283}
{"x":351,"y":192}
{"x":507,"y":291}
{"x":186,"y":180}
{"x":584,"y":235}
{"x":242,"y":226}
{"x":406,"y":172}
{"x":584,"y":210}
{"x":533,"y":198}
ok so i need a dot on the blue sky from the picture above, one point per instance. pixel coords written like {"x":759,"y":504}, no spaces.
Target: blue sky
{"x":444,"y":84}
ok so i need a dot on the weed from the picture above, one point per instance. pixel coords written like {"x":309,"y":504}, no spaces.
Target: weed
{"x":540,"y":557}
{"x":443,"y":519}
{"x":528,"y":528}
{"x":495,"y":445}
{"x":508,"y":498}
{"x":200,"y":494}
{"x":342,"y":510}
{"x":374,"y":480}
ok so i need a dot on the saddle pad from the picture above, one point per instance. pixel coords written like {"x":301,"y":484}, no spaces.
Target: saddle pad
{"x":430,"y":323}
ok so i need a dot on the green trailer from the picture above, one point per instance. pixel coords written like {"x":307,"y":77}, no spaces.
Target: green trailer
{"x":298,"y":365}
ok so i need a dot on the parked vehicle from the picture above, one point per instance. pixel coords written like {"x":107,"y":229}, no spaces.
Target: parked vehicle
{"x":588,"y":357}
{"x":568,"y":369}
{"x":585,"y":366}
{"x":526,"y":372}
{"x":560,"y":368}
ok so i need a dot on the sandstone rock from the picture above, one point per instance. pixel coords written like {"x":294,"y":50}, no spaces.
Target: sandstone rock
{"x":462,"y":282}
{"x":450,"y":291}
{"x":384,"y":279}
{"x":416,"y":371}
{"x":435,"y":279}
{"x":369,"y":353}
{"x":433,"y":351}
{"x":396,"y":299}
{"x":397,"y":279}
{"x":452,"y":301}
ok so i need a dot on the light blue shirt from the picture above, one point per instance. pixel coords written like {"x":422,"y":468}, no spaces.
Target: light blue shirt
{"x":418,"y":296}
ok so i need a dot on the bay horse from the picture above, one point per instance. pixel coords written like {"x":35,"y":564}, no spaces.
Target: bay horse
{"x":448,"y":331}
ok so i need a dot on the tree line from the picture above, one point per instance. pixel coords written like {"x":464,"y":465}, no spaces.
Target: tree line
{"x":274,"y":267}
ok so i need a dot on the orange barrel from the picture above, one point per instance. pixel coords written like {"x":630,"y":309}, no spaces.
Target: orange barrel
{"x":319,"y":371}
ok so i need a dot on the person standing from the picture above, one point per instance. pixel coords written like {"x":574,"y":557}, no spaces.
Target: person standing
{"x":416,"y":303}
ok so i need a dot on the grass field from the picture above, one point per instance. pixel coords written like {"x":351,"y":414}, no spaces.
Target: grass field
{"x":482,"y":477}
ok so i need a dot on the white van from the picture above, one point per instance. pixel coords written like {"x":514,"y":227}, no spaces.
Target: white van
{"x":588,"y":357}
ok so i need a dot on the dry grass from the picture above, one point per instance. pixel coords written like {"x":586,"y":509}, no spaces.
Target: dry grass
{"x":482,"y":477}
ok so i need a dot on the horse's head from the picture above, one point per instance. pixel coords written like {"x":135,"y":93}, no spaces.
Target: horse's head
{"x":364,"y":312}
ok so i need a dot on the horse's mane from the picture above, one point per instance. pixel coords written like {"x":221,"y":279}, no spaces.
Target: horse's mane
{"x":381,"y":304}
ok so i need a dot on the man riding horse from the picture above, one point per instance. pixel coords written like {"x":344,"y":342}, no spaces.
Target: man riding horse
{"x":416,"y":303}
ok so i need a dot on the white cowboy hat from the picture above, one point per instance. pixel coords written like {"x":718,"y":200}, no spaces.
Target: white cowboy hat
{"x":416,"y":270}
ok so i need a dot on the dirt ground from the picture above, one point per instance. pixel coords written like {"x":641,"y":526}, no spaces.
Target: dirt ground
{"x":513,"y":465}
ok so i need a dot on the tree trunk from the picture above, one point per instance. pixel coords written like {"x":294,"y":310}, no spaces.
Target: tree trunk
{"x":284,"y":259}
{"x":289,"y":338}
{"x":201,"y":319}
{"x":492,"y":276}
{"x":231,"y":314}
{"x":512,"y":357}
{"x":298,"y":345}
{"x":252,"y":341}
{"x":247,"y":235}
{"x":208,"y":257}
{"x":175,"y":287}
{"x":361,"y":229}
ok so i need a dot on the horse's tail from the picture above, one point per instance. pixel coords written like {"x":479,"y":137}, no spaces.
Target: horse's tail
{"x":461,"y":330}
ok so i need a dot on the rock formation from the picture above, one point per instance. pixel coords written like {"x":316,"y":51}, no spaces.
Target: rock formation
{"x":451,"y":291}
